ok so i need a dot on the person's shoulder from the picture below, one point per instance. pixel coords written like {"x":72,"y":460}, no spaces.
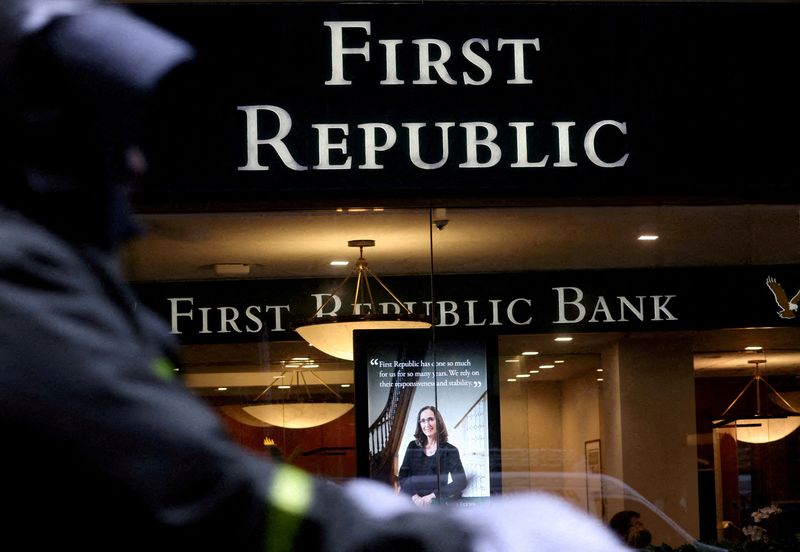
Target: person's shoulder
{"x":34,"y":261}
{"x":448,"y":446}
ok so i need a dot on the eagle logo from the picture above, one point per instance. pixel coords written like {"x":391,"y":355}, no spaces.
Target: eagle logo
{"x":788,"y":307}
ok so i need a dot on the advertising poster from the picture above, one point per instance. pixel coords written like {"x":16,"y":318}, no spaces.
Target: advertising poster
{"x":411,"y":393}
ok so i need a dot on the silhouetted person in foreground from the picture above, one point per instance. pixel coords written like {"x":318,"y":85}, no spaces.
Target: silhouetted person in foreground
{"x":104,"y":448}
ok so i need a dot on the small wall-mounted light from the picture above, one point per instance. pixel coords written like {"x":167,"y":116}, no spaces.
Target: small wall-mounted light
{"x":231,"y":269}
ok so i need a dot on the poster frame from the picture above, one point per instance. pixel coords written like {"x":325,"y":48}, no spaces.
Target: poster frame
{"x":418,"y":340}
{"x":594,"y":476}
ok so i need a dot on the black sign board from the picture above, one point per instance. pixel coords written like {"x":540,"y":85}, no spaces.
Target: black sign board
{"x":495,"y":304}
{"x":312,"y":102}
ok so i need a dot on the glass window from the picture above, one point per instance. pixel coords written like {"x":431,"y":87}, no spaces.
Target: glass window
{"x":622,"y":373}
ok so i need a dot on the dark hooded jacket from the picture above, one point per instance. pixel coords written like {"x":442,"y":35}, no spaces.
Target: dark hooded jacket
{"x":105,"y":449}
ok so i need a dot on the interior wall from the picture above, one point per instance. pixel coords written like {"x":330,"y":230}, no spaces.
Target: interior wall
{"x":611,"y":426}
{"x":656,"y":452}
{"x":326,"y":451}
{"x":643,"y":412}
{"x":580,"y":423}
{"x":514,"y":438}
{"x":544,"y":429}
{"x":545,"y":426}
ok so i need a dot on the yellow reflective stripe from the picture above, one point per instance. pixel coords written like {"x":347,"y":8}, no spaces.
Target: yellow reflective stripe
{"x":290,"y":497}
{"x":291,"y":490}
{"x":163,"y":368}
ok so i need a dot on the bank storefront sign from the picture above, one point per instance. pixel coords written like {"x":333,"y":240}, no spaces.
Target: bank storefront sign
{"x":587,"y":100}
{"x":474,"y":144}
{"x":590,"y":301}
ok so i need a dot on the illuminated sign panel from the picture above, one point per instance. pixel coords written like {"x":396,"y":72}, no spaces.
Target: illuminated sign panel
{"x":413,"y":391}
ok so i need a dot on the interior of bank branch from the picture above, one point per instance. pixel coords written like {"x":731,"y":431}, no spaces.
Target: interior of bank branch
{"x":641,"y":358}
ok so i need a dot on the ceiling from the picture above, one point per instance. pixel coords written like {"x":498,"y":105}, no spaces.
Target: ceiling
{"x":301,"y":244}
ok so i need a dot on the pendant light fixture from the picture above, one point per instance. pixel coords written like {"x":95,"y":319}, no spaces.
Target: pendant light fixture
{"x":334,"y":334}
{"x":297,"y":408}
{"x":759,"y":414}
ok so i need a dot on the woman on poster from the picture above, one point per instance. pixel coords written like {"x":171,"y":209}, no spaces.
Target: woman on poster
{"x":431,"y":469}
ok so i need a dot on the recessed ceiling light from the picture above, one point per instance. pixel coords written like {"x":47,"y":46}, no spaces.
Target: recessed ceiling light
{"x":345,"y":385}
{"x":563,"y":338}
{"x":340,"y":263}
{"x":599,"y":379}
{"x":310,"y":365}
{"x":753,"y":348}
{"x":530,"y":353}
{"x":599,"y":369}
{"x":547,"y":366}
{"x":284,"y":387}
{"x":292,"y":365}
{"x":512,"y":360}
{"x":222,"y":388}
{"x":511,"y":379}
{"x":558,"y":361}
{"x":301,"y":359}
{"x":647,"y":237}
{"x":533,"y":371}
{"x":522,"y":376}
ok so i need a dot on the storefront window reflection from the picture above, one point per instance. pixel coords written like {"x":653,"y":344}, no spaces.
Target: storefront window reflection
{"x":607,"y":359}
